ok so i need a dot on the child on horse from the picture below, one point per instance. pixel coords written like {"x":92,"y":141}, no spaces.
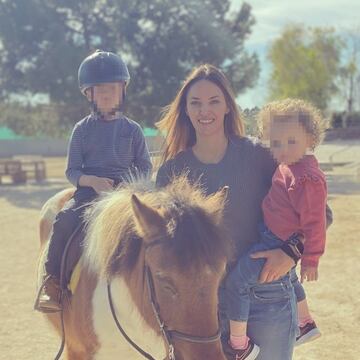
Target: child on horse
{"x":295,"y":204}
{"x":105,"y":149}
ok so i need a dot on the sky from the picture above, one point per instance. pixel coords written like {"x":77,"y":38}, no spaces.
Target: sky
{"x":271,"y":17}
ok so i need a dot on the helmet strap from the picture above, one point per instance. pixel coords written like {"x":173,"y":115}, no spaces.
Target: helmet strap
{"x":123,"y":98}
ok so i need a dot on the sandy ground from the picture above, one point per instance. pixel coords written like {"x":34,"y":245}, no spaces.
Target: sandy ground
{"x":334,"y":300}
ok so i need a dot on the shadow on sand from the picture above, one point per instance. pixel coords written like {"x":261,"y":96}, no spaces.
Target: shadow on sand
{"x":34,"y":195}
{"x":31,"y":195}
{"x":342,"y":185}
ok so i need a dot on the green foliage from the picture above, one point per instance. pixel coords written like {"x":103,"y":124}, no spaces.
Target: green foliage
{"x":40,"y":120}
{"x":306,"y":63}
{"x":44,"y":41}
{"x":349,"y":79}
{"x":250,"y":121}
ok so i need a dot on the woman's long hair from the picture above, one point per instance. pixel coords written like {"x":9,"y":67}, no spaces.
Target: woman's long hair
{"x":175,"y":123}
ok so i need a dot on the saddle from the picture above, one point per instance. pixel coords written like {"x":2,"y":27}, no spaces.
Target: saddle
{"x":70,"y":268}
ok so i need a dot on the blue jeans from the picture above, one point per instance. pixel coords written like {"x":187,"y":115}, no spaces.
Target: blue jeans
{"x":298,"y":288}
{"x":270,"y":308}
{"x":272,"y":323}
{"x":65,"y":223}
{"x":245,"y":274}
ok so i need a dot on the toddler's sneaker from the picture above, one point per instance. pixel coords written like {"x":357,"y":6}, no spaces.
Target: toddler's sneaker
{"x":308,"y":332}
{"x":250,"y":353}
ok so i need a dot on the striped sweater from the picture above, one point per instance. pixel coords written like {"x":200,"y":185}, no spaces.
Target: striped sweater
{"x":115,"y":149}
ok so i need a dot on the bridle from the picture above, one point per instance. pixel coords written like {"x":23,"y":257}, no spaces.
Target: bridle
{"x":168,"y":335}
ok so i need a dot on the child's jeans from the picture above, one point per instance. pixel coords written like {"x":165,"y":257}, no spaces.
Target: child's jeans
{"x":272,"y":323}
{"x":65,"y":223}
{"x":245,"y":274}
{"x":298,"y":288}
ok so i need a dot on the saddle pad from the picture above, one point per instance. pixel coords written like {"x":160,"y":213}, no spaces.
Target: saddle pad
{"x":75,"y":277}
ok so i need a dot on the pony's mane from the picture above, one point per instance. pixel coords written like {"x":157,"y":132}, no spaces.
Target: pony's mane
{"x":113,"y":243}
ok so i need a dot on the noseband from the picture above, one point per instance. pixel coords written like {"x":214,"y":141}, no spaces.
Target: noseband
{"x":168,"y":335}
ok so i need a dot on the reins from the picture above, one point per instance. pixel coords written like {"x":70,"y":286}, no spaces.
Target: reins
{"x":167,"y":334}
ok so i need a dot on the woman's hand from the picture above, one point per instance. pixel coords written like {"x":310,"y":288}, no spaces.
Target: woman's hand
{"x":309,"y":273}
{"x":99,"y":184}
{"x":277,"y":264}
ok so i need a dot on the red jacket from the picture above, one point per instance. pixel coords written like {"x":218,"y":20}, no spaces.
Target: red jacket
{"x":296,"y":202}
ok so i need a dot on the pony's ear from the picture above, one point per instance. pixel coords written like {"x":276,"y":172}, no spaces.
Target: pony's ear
{"x":148,"y":220}
{"x":216,"y":204}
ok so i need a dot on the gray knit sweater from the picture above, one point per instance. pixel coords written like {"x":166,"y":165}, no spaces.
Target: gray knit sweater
{"x":247,"y":169}
{"x":113,"y":149}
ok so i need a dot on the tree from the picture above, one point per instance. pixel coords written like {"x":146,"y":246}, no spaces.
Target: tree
{"x":250,"y":121}
{"x":44,"y":42}
{"x":306,"y":63}
{"x":349,"y":79}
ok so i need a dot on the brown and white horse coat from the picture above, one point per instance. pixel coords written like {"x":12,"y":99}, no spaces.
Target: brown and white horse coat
{"x":186,"y":268}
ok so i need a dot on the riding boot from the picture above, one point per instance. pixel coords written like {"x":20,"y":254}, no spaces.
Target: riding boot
{"x":49,"y":299}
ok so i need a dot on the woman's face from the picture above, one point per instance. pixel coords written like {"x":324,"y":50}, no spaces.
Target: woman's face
{"x":206,"y":108}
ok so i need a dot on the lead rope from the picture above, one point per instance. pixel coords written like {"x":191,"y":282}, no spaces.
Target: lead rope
{"x":62,"y":346}
{"x":36,"y":307}
{"x":122,"y":331}
{"x":78,"y":228}
{"x":156,"y":311}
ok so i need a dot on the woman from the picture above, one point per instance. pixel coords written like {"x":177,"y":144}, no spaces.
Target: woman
{"x":205,"y":138}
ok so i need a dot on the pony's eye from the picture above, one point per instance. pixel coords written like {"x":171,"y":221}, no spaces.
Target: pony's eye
{"x":166,"y":284}
{"x":169,"y":289}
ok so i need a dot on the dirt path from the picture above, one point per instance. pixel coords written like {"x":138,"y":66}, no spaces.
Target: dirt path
{"x":23,"y":332}
{"x":334,"y":300}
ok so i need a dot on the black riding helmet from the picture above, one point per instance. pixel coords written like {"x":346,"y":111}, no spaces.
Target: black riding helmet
{"x":102,"y":67}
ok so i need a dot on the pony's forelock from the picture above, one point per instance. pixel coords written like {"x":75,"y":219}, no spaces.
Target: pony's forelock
{"x":112,"y":242}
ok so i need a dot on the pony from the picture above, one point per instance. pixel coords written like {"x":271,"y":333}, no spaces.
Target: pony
{"x":151,"y":266}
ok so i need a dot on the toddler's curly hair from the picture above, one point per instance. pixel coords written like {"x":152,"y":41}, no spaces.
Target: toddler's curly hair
{"x":308,"y":115}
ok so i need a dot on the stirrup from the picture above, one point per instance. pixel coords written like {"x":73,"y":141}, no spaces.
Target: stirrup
{"x":45,"y":310}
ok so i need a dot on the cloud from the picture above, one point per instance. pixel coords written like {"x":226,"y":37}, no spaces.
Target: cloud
{"x":272,"y":16}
